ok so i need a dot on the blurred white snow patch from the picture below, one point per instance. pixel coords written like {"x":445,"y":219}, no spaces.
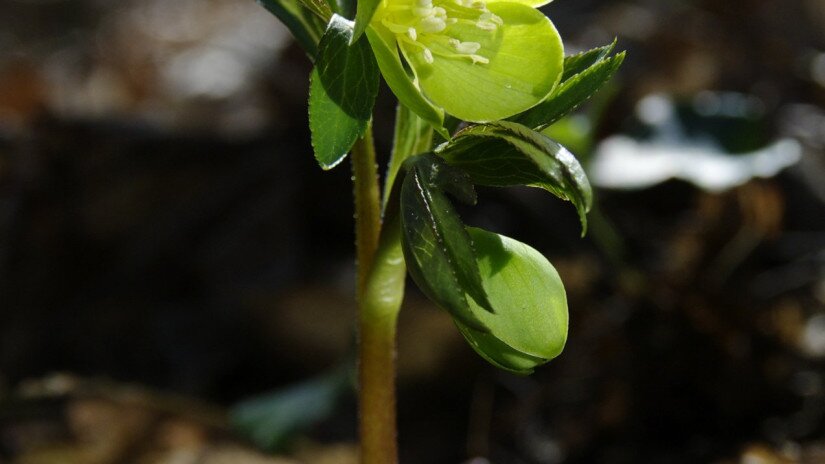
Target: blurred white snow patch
{"x":622,"y":162}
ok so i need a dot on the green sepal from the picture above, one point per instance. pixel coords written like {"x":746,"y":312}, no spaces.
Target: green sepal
{"x":343,"y":86}
{"x":503,"y":154}
{"x":386,"y":54}
{"x":439,"y":253}
{"x":498,"y":353}
{"x":572,"y":92}
{"x":525,"y":59}
{"x":529,"y":327}
{"x":363,"y":16}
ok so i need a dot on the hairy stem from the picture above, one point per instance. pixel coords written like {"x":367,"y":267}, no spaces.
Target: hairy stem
{"x":367,"y":207}
{"x":381,"y":275}
{"x":379,"y":298}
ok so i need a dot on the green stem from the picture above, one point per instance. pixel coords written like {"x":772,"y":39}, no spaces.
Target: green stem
{"x":377,"y":322}
{"x":381,"y":276}
{"x":379,"y":293}
{"x":367,"y":206}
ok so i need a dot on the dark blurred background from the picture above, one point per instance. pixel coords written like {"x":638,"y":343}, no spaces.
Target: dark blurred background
{"x":169,"y":248}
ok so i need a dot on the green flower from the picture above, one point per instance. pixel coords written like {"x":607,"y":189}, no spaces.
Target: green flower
{"x":479,"y":61}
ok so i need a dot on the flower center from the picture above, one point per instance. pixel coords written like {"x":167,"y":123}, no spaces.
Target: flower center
{"x":423,"y":23}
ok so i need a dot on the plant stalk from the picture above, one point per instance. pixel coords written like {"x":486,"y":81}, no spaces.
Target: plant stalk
{"x":367,"y":207}
{"x":379,"y":294}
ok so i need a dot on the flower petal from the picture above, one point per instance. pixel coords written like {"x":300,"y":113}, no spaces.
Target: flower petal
{"x":386,"y":54}
{"x":525,"y":56}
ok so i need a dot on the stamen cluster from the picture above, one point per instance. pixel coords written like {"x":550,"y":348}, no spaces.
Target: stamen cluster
{"x":422,"y":23}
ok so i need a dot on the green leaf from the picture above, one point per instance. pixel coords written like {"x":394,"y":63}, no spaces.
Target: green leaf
{"x":413,"y":136}
{"x":574,"y":64}
{"x":529,"y":326}
{"x":438,"y":251}
{"x":525,"y":56}
{"x":504,"y":153}
{"x":363,"y":16}
{"x":270,"y":421}
{"x":386,"y":54}
{"x":306,"y":28}
{"x":571,"y":93}
{"x":342,"y":92}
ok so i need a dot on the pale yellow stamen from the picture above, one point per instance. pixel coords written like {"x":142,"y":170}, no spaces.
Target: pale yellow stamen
{"x":486,"y":25}
{"x":489,"y":16}
{"x":432,"y":24}
{"x":488,"y":21}
{"x":426,"y":23}
{"x":468,"y":47}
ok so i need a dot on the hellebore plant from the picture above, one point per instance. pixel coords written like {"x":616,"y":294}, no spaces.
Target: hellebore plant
{"x":477,"y":83}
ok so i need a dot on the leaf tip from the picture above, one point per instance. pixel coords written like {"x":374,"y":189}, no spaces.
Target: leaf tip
{"x":330,"y":166}
{"x":442,"y":132}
